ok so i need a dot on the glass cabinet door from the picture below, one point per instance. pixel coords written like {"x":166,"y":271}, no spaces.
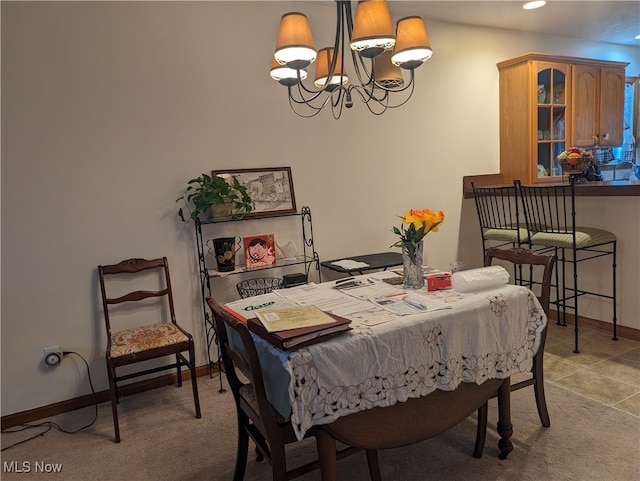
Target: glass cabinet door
{"x":551,"y":96}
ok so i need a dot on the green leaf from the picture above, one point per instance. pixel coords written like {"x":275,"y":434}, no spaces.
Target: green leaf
{"x":205,"y":190}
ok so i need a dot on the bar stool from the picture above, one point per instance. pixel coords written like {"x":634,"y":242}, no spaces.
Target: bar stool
{"x":499,"y":217}
{"x":549,"y":212}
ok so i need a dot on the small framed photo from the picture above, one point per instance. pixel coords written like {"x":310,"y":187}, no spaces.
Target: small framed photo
{"x":259,"y":250}
{"x":270,"y":189}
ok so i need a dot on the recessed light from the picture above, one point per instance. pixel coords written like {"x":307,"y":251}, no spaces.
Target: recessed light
{"x":534,"y":4}
{"x":637,"y":37}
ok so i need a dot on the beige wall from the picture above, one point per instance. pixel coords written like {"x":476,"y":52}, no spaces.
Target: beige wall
{"x":109,"y":108}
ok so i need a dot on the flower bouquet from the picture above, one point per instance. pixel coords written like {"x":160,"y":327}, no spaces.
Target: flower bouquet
{"x":416,"y":224}
{"x":575,"y":160}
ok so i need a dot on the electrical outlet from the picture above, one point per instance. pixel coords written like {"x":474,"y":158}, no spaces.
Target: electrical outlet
{"x":52,"y":356}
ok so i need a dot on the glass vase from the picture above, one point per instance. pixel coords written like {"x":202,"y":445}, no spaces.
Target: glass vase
{"x":413,"y":276}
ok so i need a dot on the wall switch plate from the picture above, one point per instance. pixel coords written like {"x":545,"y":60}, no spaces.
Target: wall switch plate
{"x":52,"y":356}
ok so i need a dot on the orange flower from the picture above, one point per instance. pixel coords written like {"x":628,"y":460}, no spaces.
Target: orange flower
{"x":425,"y":217}
{"x":420,"y":222}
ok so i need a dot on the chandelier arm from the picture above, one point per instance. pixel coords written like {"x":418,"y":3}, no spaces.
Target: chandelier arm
{"x":358,"y":64}
{"x":348,"y":17}
{"x":314,"y":110}
{"x":301,"y":87}
{"x":343,"y":15}
{"x":412,"y":83}
{"x":308,"y":101}
{"x":384,"y":96}
{"x":388,"y":91}
{"x":356,"y":58}
{"x":338,"y":42}
{"x":338,"y":94}
{"x":371,"y":100}
{"x":343,"y":92}
{"x":336,"y":114}
{"x":368,"y":94}
{"x":302,"y":99}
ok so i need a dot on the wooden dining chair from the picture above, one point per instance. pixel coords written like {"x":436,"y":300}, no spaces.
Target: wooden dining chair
{"x":257,"y":418}
{"x":127,"y":299}
{"x":519,"y":256}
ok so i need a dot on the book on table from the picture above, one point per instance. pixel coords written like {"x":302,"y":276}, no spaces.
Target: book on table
{"x":243,"y":309}
{"x":296,"y":326}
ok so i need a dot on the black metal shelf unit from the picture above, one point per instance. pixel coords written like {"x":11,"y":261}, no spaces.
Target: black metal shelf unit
{"x":308,"y":259}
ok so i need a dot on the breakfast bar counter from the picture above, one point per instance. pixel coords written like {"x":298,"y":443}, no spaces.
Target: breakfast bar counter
{"x":611,"y":188}
{"x":609,"y":205}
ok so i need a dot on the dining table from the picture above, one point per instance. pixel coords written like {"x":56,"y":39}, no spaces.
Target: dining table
{"x":403,"y":373}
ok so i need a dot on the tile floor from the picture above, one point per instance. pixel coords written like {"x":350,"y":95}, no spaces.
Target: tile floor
{"x":605,"y":370}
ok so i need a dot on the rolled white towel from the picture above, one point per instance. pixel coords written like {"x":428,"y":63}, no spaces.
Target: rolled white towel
{"x":479,"y":279}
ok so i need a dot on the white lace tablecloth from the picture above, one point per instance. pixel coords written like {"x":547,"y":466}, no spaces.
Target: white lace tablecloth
{"x":485,"y":335}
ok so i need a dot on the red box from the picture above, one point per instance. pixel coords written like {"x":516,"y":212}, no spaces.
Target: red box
{"x":437,"y":282}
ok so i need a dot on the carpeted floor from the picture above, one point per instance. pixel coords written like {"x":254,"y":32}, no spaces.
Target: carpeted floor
{"x":162,"y":440}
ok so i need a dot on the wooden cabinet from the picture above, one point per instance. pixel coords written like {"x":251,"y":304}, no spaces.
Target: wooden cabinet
{"x":598,"y":105}
{"x":549,"y":103}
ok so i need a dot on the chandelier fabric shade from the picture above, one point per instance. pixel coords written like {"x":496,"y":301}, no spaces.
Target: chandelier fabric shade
{"x":386,"y":73}
{"x":380,"y":58}
{"x":372,"y":29}
{"x":323,"y":68}
{"x":286,"y":75}
{"x":412,"y":47}
{"x":295,"y":47}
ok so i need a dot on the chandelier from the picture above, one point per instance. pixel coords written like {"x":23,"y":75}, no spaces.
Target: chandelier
{"x":378,"y":57}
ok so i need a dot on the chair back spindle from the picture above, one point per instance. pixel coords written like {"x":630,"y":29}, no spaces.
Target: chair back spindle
{"x":499,"y":216}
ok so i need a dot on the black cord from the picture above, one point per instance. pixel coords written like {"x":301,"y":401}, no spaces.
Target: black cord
{"x":49,"y":424}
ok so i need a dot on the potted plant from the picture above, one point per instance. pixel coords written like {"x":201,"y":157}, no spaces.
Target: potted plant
{"x":221,"y":196}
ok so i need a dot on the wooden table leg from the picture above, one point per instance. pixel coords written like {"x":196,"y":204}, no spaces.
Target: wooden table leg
{"x":505,"y":428}
{"x":327,"y":453}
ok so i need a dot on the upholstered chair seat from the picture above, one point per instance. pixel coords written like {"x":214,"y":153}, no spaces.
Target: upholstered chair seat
{"x":145,"y":338}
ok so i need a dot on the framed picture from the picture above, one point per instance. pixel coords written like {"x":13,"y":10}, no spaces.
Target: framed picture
{"x":271,"y":189}
{"x":259,"y":250}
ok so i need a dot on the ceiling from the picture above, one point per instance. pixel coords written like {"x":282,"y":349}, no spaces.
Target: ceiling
{"x":600,"y":21}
